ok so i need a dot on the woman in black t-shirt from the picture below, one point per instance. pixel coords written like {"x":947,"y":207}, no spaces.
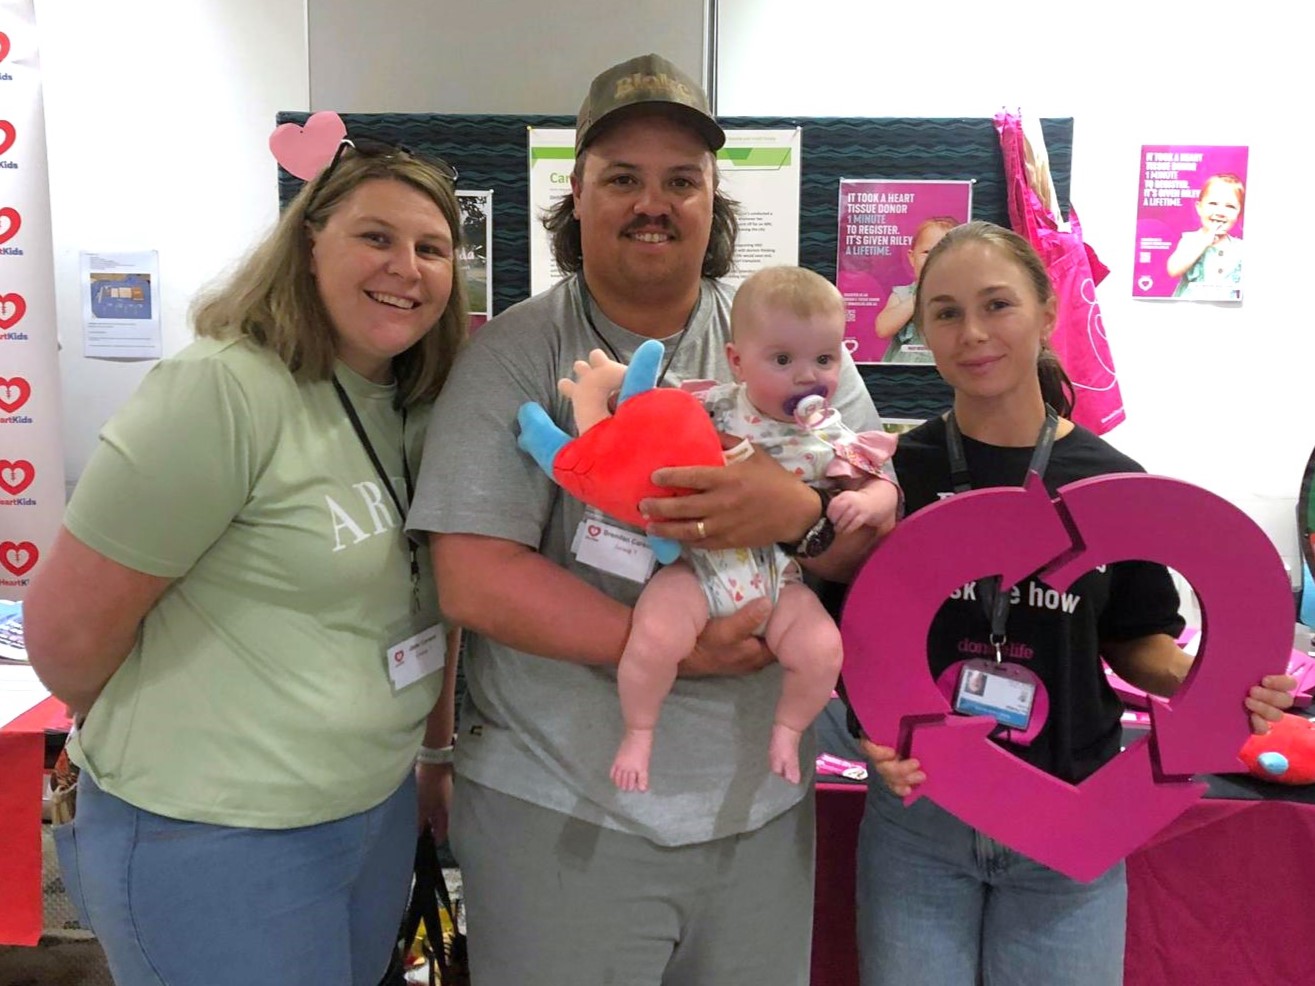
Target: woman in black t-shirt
{"x":939,"y":902}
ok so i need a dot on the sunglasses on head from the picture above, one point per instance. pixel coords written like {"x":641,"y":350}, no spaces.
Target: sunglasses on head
{"x":371,"y":148}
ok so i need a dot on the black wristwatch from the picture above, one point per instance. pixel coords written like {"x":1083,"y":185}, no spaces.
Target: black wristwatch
{"x":818,"y":537}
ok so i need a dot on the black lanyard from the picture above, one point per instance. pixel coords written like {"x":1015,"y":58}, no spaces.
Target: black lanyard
{"x":387,"y":483}
{"x":996,"y":604}
{"x":586,"y":300}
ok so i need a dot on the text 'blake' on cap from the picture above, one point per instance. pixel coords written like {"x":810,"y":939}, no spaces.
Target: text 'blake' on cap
{"x":646,"y":79}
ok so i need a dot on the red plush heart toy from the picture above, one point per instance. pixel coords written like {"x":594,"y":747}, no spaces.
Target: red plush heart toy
{"x":1286,"y":754}
{"x":611,"y":465}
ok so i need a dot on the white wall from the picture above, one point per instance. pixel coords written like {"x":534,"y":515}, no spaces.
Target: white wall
{"x":1130,"y":74}
{"x":158,"y":112}
{"x":157,"y":116}
{"x":490,"y":56}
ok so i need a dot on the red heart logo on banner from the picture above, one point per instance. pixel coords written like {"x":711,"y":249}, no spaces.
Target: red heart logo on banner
{"x":4,"y":46}
{"x":7,"y":135}
{"x":16,"y":476}
{"x":12,"y":310}
{"x":10,"y":221}
{"x":307,"y":150}
{"x":14,"y":393}
{"x":18,"y":556}
{"x":595,"y":531}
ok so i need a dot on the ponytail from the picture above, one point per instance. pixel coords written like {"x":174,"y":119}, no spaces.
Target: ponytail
{"x":1056,"y":387}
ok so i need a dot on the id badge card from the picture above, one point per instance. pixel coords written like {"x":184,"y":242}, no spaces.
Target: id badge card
{"x":603,"y":545}
{"x":1003,"y":691}
{"x":417,"y":656}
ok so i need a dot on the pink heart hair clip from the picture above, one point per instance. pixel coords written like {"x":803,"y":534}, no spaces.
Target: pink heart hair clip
{"x":306,"y":150}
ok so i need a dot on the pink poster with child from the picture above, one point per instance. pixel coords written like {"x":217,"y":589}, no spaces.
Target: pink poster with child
{"x":1189,"y":223}
{"x":886,"y":229}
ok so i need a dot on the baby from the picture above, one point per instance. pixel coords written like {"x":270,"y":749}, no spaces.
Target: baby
{"x":787,"y":332}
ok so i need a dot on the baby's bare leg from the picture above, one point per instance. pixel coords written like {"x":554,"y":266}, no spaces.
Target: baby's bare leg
{"x":806,"y":641}
{"x":669,"y":616}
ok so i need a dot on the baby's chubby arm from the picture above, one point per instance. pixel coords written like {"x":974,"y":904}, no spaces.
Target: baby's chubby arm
{"x":872,"y":504}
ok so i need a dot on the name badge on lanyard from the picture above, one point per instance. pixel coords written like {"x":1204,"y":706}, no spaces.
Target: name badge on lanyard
{"x":1003,"y":691}
{"x":612,"y":549}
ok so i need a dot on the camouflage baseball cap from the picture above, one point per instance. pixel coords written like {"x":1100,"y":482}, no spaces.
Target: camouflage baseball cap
{"x":641,"y":80}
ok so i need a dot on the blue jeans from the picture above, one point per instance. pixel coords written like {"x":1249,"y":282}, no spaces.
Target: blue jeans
{"x":188,"y":904}
{"x":943,"y":905}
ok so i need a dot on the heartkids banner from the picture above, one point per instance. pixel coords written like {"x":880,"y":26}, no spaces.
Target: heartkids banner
{"x":887,"y":228}
{"x":1189,"y":223}
{"x":31,"y":461}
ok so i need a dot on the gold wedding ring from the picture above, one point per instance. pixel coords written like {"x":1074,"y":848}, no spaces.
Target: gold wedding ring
{"x":703,"y":531}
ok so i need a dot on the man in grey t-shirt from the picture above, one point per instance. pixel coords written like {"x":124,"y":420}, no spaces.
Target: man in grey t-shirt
{"x":707,"y":877}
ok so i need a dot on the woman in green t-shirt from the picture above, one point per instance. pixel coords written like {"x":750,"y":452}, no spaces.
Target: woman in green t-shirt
{"x":248,"y":639}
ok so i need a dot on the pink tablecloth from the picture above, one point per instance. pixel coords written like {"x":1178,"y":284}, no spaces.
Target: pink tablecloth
{"x":1225,"y":896}
{"x":22,"y":760}
{"x":1222,"y":896}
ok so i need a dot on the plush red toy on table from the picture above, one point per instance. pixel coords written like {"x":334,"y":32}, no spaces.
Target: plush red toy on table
{"x":1284,"y":755}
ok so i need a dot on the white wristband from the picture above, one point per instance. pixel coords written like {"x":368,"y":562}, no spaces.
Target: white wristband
{"x":435,"y":755}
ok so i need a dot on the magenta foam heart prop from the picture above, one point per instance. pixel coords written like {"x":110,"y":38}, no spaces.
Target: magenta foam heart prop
{"x":306,"y":150}
{"x":1080,"y":830}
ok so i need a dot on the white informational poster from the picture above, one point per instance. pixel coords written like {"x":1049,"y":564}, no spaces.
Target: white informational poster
{"x":120,"y":305}
{"x":31,"y":457}
{"x":552,"y":156}
{"x":759,"y":170}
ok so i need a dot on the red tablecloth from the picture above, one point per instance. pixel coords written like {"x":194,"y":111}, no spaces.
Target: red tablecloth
{"x":835,"y":948}
{"x":1222,"y":896}
{"x":22,"y":760}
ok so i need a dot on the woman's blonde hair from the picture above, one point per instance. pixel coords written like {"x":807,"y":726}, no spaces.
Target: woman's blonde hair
{"x":272,"y":298}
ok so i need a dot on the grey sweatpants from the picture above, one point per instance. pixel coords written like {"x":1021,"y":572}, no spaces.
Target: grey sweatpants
{"x":554,"y":901}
